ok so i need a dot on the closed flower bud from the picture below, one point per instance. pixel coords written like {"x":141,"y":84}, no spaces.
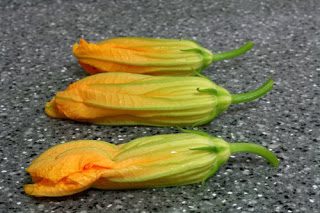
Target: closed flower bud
{"x":148,"y":56}
{"x":135,"y":99}
{"x":154,"y":161}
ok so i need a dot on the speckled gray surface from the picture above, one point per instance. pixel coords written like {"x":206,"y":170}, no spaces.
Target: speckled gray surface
{"x":36,"y":61}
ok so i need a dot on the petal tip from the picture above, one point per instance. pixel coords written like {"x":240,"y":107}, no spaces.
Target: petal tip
{"x":29,"y":189}
{"x":78,"y":48}
{"x":52,"y":110}
{"x":83,"y":42}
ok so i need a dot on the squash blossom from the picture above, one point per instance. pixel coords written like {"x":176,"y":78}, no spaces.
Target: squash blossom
{"x":148,"y":56}
{"x":147,"y":162}
{"x":135,"y":99}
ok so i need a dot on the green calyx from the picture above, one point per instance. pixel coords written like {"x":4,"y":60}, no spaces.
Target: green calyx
{"x":220,"y":145}
{"x":233,"y":53}
{"x":223,"y":150}
{"x":223,"y":95}
{"x":224,"y":98}
{"x":208,"y":57}
{"x":223,"y":154}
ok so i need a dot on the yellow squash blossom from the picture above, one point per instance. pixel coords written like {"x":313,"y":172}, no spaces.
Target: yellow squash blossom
{"x":148,"y":56}
{"x":135,"y":99}
{"x":154,"y":161}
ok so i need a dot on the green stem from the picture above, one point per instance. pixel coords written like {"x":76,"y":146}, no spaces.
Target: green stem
{"x":255,"y":149}
{"x":252,"y":95}
{"x":233,"y":53}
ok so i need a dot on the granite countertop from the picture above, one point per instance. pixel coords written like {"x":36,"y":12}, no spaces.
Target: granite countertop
{"x":36,"y":61}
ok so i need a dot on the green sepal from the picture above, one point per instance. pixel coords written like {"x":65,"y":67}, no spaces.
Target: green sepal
{"x":209,"y":90}
{"x":197,"y":50}
{"x":215,"y":149}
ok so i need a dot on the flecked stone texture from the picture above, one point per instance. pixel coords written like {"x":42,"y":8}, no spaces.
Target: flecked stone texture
{"x":36,"y":61}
